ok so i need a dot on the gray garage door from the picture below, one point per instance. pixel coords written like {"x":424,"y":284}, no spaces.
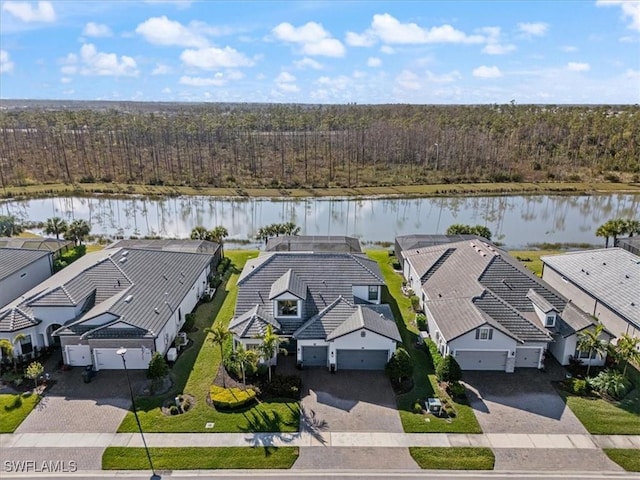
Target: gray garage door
{"x":362,"y":359}
{"x":314,"y":356}
{"x":527,"y":357}
{"x":481,"y":360}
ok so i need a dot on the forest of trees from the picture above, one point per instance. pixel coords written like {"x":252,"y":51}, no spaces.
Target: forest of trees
{"x":285,"y":145}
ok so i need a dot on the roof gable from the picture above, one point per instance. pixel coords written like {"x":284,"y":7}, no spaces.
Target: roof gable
{"x":288,"y":282}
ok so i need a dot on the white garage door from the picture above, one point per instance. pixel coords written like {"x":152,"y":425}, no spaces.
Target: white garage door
{"x":78,"y":355}
{"x":481,"y":360}
{"x":527,"y":357}
{"x":108,"y":359}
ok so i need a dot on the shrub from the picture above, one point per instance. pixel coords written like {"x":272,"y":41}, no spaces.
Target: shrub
{"x":577,"y":386}
{"x":415,"y":303}
{"x":456,"y":390}
{"x":611,"y":383}
{"x":158,"y":367}
{"x":189,"y":322}
{"x":400,"y":366}
{"x":417,"y":408}
{"x":449,"y":370}
{"x":436,"y":358}
{"x":173,"y":410}
{"x":288,"y":386}
{"x":421,"y":322}
{"x":34,"y":370}
{"x":230,"y":398}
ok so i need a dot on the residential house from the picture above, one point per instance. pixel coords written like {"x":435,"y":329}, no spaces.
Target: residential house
{"x":22,"y":269}
{"x":488,"y":311}
{"x":313,"y":243}
{"x":328,"y":305}
{"x":133,"y":298}
{"x":603,"y":282}
{"x":173,"y":245}
{"x":53,"y":245}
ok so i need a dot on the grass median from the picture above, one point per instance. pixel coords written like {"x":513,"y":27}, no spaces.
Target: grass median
{"x":453,"y":458}
{"x":199,"y":458}
{"x":627,"y":458}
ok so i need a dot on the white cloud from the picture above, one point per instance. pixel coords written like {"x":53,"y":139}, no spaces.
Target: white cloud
{"x":390,"y":30}
{"x":166,"y":90}
{"x":93,"y":29}
{"x":307,"y":62}
{"x":335,"y":84}
{"x":634,"y":74}
{"x":498,"y":49}
{"x":217,"y":80}
{"x":212,"y":58}
{"x":26,"y":12}
{"x":486,"y":72}
{"x":374,"y":62}
{"x":177,"y":3}
{"x":6,"y":65}
{"x":535,"y":29}
{"x":66,"y":80}
{"x":578,"y":67}
{"x":629,"y":8}
{"x":90,"y":62}
{"x":285,"y":77}
{"x":569,"y":48}
{"x":161,"y":69}
{"x":408,"y":80}
{"x":387,"y":50}
{"x":360,"y":40}
{"x":312,"y":38}
{"x":285,"y":82}
{"x":162,"y":31}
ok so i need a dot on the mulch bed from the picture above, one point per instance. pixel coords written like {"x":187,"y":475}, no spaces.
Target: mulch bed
{"x":169,"y":402}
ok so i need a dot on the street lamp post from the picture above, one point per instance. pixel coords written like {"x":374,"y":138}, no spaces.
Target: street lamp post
{"x":122,"y":352}
{"x":437,"y":154}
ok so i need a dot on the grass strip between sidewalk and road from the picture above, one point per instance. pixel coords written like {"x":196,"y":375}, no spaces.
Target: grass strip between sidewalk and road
{"x":14,"y":408}
{"x":453,"y":458}
{"x":424,"y":378}
{"x":627,"y":458}
{"x":199,"y":458}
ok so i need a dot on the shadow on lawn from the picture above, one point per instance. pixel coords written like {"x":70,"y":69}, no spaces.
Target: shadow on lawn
{"x":263,"y":429}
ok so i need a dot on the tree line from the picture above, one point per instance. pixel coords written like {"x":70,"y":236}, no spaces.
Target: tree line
{"x":278,"y":145}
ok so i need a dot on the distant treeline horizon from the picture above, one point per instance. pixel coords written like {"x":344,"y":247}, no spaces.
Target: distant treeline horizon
{"x":242,"y":145}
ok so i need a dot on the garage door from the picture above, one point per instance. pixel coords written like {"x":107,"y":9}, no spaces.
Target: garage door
{"x":481,"y":360}
{"x":362,"y":359}
{"x":108,"y":359}
{"x":527,"y":357}
{"x":314,"y":356}
{"x":78,"y":355}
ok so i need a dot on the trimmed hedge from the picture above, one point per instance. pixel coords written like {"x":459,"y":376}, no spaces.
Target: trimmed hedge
{"x":436,"y":357}
{"x":230,"y":398}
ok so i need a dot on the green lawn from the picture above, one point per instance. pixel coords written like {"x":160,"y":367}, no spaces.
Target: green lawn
{"x":197,"y":458}
{"x":453,"y":458}
{"x":424,"y":376}
{"x":14,"y":409}
{"x":601,"y":417}
{"x":627,"y":458}
{"x":194,"y":371}
{"x":531,"y":258}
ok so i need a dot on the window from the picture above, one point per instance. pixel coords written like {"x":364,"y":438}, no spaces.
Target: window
{"x":550,"y":321}
{"x":287,"y":308}
{"x":373,"y":292}
{"x":25,"y":345}
{"x":484,"y":334}
{"x":585,"y":355}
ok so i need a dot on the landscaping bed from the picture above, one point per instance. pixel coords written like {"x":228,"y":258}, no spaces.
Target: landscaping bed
{"x":198,"y":458}
{"x":453,"y":458}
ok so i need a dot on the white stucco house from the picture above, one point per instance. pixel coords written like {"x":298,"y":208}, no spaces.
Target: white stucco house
{"x":489,"y":312}
{"x":603,"y":282}
{"x":327,"y":304}
{"x":132,"y":298}
{"x":21,"y":269}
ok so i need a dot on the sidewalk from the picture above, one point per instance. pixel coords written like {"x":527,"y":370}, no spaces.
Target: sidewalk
{"x":327,"y":439}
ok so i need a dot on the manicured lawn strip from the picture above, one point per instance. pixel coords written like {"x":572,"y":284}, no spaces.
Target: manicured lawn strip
{"x":194,"y":371}
{"x":531,"y":258}
{"x":601,"y":417}
{"x":14,"y":409}
{"x":627,"y":458}
{"x":453,"y":458}
{"x":433,"y":190}
{"x":424,"y":378}
{"x":197,"y":458}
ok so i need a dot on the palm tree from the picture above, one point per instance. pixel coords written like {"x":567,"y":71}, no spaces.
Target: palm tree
{"x":78,"y":230}
{"x":590,"y":341}
{"x":9,"y":226}
{"x":263,"y":234}
{"x":632,"y":227}
{"x":219,"y":336}
{"x":627,"y":350}
{"x":55,"y":226}
{"x":8,"y":348}
{"x":270,"y":346}
{"x":200,"y":233}
{"x":604,"y":230}
{"x":218,"y":234}
{"x":245,"y":358}
{"x":290,"y":228}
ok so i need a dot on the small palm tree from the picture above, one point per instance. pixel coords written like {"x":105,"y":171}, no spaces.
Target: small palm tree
{"x":627,"y":350}
{"x":77,"y":231}
{"x":8,"y":348}
{"x":218,"y":336}
{"x":245,"y":358}
{"x":632,"y":227}
{"x":291,"y":228}
{"x":271,"y":346}
{"x":55,"y":226}
{"x":605,"y":232}
{"x":200,"y":233}
{"x":218,"y":234}
{"x":590,"y":341}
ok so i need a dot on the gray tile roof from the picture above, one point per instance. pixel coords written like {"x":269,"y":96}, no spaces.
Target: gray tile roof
{"x":612,"y":275}
{"x":364,"y":317}
{"x":169,"y":245}
{"x":14,"y":319}
{"x":252,"y":323}
{"x":313,"y":243}
{"x":13,"y":260}
{"x":288,"y":282}
{"x":322,"y":324}
{"x":327,"y":277}
{"x":575,"y":319}
{"x":540,"y":302}
{"x":155,"y":282}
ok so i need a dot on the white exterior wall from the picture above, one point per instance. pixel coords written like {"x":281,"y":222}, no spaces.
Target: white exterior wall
{"x":312,"y":343}
{"x":25,"y":279}
{"x":560,"y":348}
{"x":354,"y":341}
{"x":413,"y":280}
{"x":498,"y":342}
{"x":362,"y":291}
{"x":570,"y":348}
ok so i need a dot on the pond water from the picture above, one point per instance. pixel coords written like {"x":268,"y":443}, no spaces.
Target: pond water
{"x":515,"y":221}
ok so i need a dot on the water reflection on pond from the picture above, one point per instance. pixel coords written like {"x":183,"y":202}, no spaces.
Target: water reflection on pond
{"x":514,"y":220}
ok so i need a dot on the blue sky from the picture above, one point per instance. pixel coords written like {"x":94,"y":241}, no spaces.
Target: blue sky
{"x":323,"y":51}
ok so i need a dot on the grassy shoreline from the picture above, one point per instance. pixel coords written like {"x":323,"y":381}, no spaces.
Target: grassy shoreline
{"x":435,"y":190}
